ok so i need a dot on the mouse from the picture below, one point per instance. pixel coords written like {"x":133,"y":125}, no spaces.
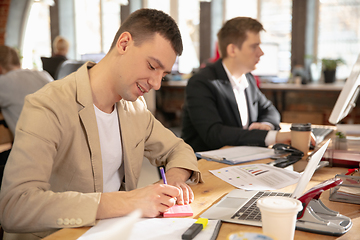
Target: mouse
{"x":285,"y":148}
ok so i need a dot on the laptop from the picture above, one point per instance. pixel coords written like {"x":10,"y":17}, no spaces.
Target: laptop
{"x":239,"y":206}
{"x":321,"y":132}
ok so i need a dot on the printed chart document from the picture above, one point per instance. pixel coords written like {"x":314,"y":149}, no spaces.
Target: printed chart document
{"x":235,"y":155}
{"x":257,"y":176}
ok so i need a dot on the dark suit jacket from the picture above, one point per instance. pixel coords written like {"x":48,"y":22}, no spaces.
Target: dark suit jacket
{"x":211,"y":117}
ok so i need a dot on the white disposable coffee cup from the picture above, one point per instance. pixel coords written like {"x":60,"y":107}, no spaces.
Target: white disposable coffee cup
{"x":278,"y":216}
{"x":300,"y":136}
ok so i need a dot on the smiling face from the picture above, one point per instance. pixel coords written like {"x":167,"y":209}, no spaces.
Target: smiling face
{"x":250,"y":52}
{"x":142,"y":68}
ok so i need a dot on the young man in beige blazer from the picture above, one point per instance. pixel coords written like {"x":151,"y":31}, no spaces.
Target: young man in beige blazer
{"x":80,"y":141}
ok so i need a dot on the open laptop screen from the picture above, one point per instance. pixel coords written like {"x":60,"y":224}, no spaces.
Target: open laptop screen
{"x":309,"y":171}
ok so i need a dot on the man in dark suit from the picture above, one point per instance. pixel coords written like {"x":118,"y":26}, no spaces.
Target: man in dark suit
{"x":223,"y":105}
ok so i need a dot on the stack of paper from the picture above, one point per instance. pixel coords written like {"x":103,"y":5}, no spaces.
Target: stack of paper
{"x":235,"y":155}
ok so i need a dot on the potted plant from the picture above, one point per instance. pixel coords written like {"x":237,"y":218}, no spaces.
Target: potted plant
{"x":329,"y":68}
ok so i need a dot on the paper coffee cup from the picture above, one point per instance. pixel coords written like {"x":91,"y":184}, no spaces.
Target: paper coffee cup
{"x":300,"y":136}
{"x":278,"y":216}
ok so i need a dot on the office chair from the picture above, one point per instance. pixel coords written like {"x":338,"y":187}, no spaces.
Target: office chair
{"x":51,"y":65}
{"x":67,"y":67}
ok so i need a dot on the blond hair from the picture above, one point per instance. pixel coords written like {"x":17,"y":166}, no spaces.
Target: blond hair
{"x":60,"y":45}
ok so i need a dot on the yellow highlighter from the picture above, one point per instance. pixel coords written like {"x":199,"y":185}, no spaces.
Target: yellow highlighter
{"x":194,"y":229}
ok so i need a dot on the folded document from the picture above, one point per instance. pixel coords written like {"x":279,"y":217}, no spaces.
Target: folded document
{"x":235,"y":155}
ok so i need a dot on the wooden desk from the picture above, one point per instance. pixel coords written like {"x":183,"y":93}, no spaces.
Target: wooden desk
{"x":213,"y":189}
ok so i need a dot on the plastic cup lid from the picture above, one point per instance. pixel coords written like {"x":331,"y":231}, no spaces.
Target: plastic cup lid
{"x":301,"y":127}
{"x":279,"y":204}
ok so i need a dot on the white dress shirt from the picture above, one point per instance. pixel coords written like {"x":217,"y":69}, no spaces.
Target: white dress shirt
{"x":239,"y":85}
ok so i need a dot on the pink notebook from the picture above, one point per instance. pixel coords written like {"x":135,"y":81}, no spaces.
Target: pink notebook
{"x":179,"y":211}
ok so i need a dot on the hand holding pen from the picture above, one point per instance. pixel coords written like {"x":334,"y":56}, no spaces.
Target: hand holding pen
{"x":177,"y":177}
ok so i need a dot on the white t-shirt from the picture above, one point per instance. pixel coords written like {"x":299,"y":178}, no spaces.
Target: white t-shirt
{"x":111,"y":149}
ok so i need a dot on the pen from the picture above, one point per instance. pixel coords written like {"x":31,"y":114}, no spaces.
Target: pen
{"x":163,"y":175}
{"x":194,"y":229}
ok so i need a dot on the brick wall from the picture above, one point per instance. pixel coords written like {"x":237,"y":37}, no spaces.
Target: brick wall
{"x":4,"y":12}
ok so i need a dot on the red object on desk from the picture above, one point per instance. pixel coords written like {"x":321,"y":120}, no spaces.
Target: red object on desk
{"x":179,"y":211}
{"x":315,"y":192}
{"x":351,"y":171}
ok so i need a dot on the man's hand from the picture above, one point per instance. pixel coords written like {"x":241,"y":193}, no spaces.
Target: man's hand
{"x":285,"y":137}
{"x":260,"y":126}
{"x":152,"y":200}
{"x":177,"y":177}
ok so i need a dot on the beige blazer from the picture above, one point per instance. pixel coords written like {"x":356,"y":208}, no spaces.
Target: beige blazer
{"x":53,"y":177}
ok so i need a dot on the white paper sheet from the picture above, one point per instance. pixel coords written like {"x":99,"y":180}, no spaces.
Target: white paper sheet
{"x":169,"y":229}
{"x":113,"y":228}
{"x":257,"y":176}
{"x":146,"y":229}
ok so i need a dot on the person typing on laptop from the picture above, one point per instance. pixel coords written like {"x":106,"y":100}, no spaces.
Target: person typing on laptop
{"x":223,"y":105}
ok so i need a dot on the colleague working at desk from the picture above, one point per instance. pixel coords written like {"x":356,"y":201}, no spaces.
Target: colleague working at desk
{"x":79,"y":140}
{"x":223,"y":106}
{"x":15,"y":84}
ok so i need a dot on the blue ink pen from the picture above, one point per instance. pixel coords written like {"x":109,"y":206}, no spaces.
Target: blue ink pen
{"x":163,"y":175}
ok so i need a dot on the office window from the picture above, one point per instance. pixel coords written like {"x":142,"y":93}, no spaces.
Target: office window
{"x":87,"y":27}
{"x":187,"y":18}
{"x":37,"y":41}
{"x":339,"y":32}
{"x":163,"y":5}
{"x":97,"y":22}
{"x":110,"y":22}
{"x":244,"y":8}
{"x":275,"y":15}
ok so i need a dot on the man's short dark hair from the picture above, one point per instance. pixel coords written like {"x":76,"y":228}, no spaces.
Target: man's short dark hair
{"x":234,"y":32}
{"x":144,"y":23}
{"x":9,"y":58}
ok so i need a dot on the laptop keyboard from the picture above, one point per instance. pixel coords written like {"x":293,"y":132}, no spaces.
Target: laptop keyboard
{"x":250,"y":211}
{"x":321,"y":132}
